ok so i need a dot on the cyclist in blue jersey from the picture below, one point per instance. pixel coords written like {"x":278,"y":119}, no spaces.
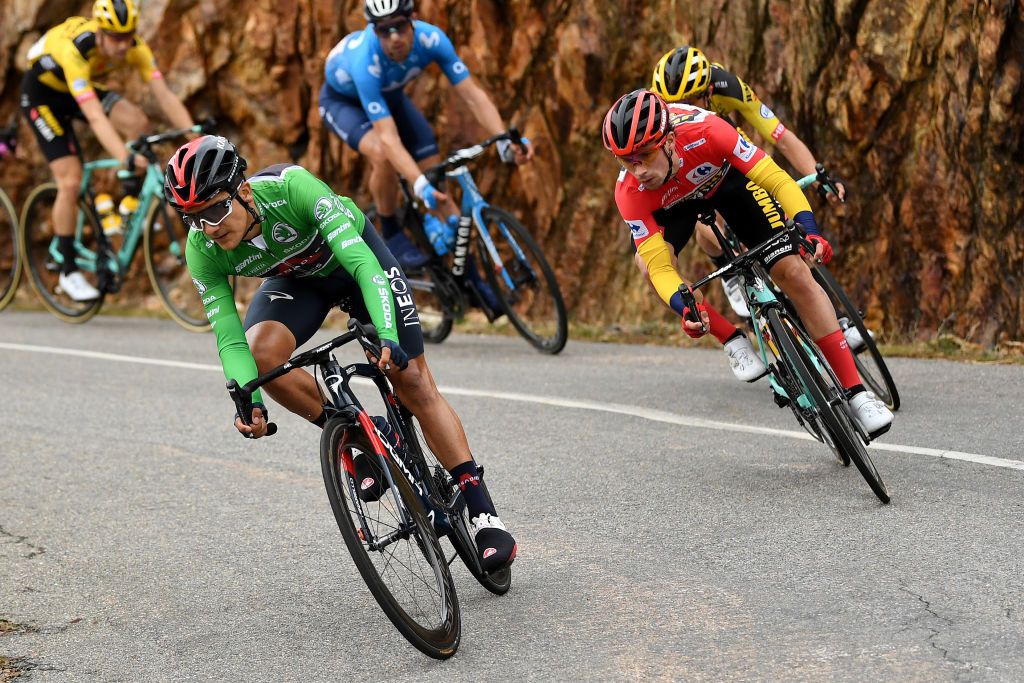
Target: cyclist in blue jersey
{"x":364,"y":102}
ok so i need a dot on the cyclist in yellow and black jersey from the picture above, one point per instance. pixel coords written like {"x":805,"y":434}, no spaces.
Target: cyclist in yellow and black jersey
{"x":686,"y":75}
{"x":60,"y":86}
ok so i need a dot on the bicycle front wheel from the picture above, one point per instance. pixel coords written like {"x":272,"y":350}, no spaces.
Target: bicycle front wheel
{"x":827,"y":398}
{"x":393,"y":544}
{"x":10,"y":254}
{"x":164,"y":239}
{"x":524,"y":282}
{"x":43,"y":260}
{"x":870,"y":364}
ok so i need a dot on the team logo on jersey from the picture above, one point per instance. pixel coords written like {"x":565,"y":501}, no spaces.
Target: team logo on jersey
{"x":379,"y":280}
{"x":323,"y":208}
{"x":340,"y":206}
{"x":459,"y":68}
{"x":430,"y":40}
{"x":79,"y":84}
{"x":638,"y":229}
{"x":702,"y":173}
{"x":766,"y":113}
{"x":695,"y":143}
{"x":199,"y":286}
{"x":283,"y":233}
{"x":743,"y":149}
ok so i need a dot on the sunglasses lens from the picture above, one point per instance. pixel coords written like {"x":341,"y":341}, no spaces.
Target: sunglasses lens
{"x":387,"y":27}
{"x":211,"y":215}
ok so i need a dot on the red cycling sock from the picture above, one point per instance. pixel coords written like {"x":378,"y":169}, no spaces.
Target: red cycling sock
{"x":837,"y":353}
{"x":721,"y":328}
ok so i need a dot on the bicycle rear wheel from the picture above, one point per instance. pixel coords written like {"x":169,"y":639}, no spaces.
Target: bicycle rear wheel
{"x":164,"y":239}
{"x":10,"y":254}
{"x":460,"y":536}
{"x":522,"y":278}
{"x":870,"y":364}
{"x":828,"y":398}
{"x":43,"y":261}
{"x":393,"y":544}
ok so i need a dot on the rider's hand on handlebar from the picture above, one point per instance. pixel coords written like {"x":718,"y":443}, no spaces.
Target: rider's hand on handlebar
{"x":693,"y":329}
{"x":510,"y":152}
{"x":135,"y":163}
{"x":258,"y":427}
{"x":832,"y":197}
{"x":392,"y":355}
{"x":430,"y":195}
{"x":822,"y":250}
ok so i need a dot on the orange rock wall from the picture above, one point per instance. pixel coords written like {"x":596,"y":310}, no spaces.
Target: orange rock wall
{"x":916,"y":103}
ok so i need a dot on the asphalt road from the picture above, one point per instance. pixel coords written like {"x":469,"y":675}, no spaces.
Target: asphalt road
{"x":141,"y":539}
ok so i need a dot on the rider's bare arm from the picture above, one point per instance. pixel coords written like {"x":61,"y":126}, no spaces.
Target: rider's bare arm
{"x":104,"y":129}
{"x":169,"y":103}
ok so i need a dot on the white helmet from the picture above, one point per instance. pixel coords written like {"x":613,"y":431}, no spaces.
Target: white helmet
{"x":378,"y":10}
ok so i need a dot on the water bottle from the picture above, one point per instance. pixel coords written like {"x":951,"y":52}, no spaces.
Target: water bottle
{"x":435,"y":230}
{"x":128,"y":206}
{"x":110,"y":221}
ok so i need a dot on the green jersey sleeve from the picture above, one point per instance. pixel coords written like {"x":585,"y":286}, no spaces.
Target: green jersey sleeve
{"x":341,"y":224}
{"x":211,"y":281}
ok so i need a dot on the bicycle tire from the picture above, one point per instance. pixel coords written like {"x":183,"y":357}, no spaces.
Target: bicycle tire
{"x":10,"y":259}
{"x":498,"y":582}
{"x":439,"y":641}
{"x":36,"y":235}
{"x":168,"y":272}
{"x":823,"y":393}
{"x":552,"y":337}
{"x":883,"y":387}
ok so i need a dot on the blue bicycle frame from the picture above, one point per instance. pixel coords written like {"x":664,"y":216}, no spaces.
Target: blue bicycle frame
{"x":473,"y":205}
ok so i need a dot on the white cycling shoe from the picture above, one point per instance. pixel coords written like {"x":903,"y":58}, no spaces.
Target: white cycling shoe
{"x":77,"y":287}
{"x":873,"y":417}
{"x":745,"y":363}
{"x":733,"y":287}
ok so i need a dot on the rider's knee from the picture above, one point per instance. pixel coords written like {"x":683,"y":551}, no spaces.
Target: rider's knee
{"x":791,"y":271}
{"x":375,"y":152}
{"x":418,"y":388}
{"x":270,"y":345}
{"x":69,"y":181}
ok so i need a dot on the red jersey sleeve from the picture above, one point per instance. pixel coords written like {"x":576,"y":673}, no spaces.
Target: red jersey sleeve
{"x":634,"y":207}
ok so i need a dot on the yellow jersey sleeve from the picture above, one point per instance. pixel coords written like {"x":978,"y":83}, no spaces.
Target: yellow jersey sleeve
{"x":730,"y":94}
{"x":141,"y":57}
{"x":780,"y":185}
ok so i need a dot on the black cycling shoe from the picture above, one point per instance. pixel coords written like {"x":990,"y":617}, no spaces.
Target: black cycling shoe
{"x":495,"y":546}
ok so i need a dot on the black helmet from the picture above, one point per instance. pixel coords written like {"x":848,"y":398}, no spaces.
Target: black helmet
{"x":638,"y":120}
{"x":378,"y":10}
{"x":200,"y":169}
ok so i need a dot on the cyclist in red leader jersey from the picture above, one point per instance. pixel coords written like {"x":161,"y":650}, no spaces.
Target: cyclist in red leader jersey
{"x":681,"y":160}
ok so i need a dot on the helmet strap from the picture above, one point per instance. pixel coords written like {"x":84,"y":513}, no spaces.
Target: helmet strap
{"x":256,"y":218}
{"x":668,"y":157}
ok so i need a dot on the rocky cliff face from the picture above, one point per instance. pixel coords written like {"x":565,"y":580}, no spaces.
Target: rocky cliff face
{"x":916,"y":103}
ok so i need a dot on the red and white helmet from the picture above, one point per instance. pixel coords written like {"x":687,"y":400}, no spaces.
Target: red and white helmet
{"x":200,"y":170}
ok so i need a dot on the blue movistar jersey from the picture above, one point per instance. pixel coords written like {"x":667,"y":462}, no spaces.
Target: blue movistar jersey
{"x":358,"y":68}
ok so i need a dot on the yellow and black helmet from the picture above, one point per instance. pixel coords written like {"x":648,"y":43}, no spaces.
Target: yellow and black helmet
{"x":681,"y":74}
{"x":116,"y":16}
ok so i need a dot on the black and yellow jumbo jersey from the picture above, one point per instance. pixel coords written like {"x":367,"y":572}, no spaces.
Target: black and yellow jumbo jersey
{"x":66,"y":59}
{"x":728,"y":93}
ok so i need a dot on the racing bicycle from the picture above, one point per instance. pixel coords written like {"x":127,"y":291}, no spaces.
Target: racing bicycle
{"x":105,"y":259}
{"x":394,"y":541}
{"x":799,"y":375}
{"x":10,"y":258}
{"x":489,"y":239}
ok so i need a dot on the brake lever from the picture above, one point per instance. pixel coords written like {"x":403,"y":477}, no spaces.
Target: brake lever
{"x":826,"y":184}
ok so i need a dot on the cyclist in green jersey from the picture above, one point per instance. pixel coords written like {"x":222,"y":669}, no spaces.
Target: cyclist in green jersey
{"x":314,"y":250}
